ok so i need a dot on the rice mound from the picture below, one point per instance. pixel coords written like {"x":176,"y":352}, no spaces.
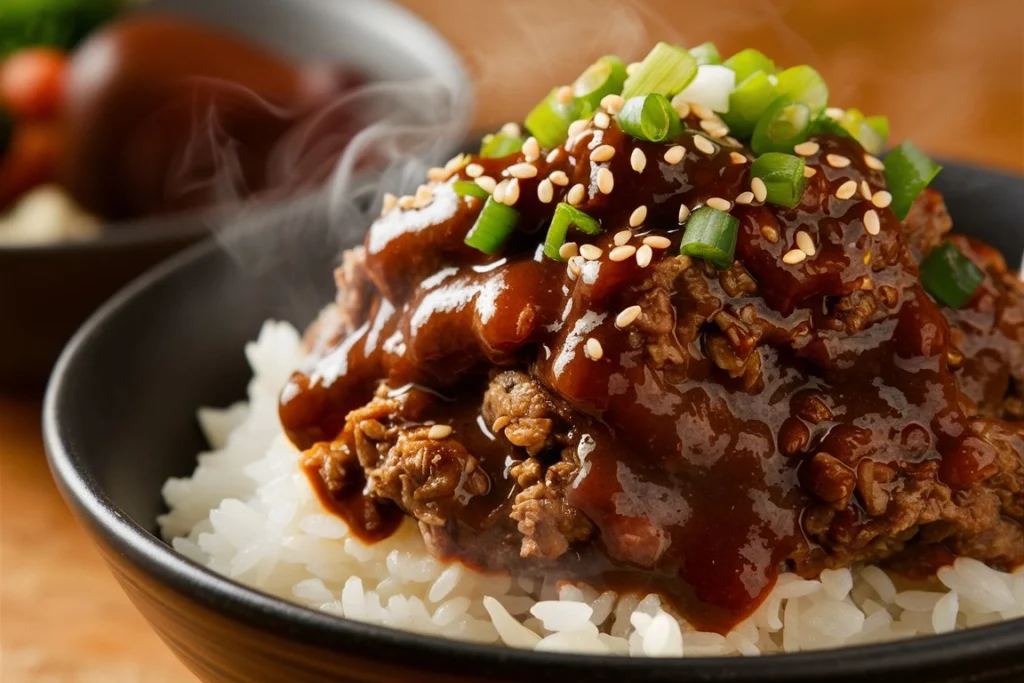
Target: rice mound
{"x":248,"y":512}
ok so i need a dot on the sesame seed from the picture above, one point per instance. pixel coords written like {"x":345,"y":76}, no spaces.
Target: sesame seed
{"x":389,"y":202}
{"x":511,"y":129}
{"x":737,"y":158}
{"x":644,"y":255}
{"x":626,"y":316}
{"x":437,"y":173}
{"x":806,"y":149}
{"x":809,"y":171}
{"x":602,"y":153}
{"x":545,"y":191}
{"x":732,"y":141}
{"x":499,"y":191}
{"x":486,"y":182}
{"x":770,"y":234}
{"x":406,"y":202}
{"x":622,"y":236}
{"x":638,"y":160}
{"x":593,"y":349}
{"x":568,"y":250}
{"x":703,"y":112}
{"x":794,"y":257}
{"x":531,"y":149}
{"x":834,"y":113}
{"x":865,"y":190}
{"x":424,"y":195}
{"x":559,"y":178}
{"x":714,"y":128}
{"x":682,"y":108}
{"x":684,"y":213}
{"x":719,"y":203}
{"x":501,"y":423}
{"x":512,"y":192}
{"x":806,"y":244}
{"x":456,"y":162}
{"x":837,"y":160}
{"x":439,"y":432}
{"x":575,"y":263}
{"x":874,"y":163}
{"x":605,"y":181}
{"x":881,"y":199}
{"x":522,"y":170}
{"x":564,"y":95}
{"x":613,"y":103}
{"x":552,"y":155}
{"x":638,"y":216}
{"x":847,"y":190}
{"x":577,"y":127}
{"x":744,"y":197}
{"x":675,"y":154}
{"x":871,"y":222}
{"x":631,"y":67}
{"x":703,"y":144}
{"x":591,"y":252}
{"x":575,"y":195}
{"x":601,"y":120}
{"x":657,"y":242}
{"x":622,"y":253}
{"x":759,"y":189}
{"x":474,"y":170}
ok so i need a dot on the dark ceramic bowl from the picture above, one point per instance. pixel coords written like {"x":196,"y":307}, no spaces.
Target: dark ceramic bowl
{"x":47,"y":291}
{"x":120,"y":419}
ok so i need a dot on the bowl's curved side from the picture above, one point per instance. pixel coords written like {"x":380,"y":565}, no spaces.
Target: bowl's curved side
{"x":119,"y":420}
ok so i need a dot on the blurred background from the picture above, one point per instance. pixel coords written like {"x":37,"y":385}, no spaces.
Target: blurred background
{"x":947,"y":73}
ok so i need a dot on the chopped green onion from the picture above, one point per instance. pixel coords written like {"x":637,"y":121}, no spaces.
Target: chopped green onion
{"x":549,"y":121}
{"x":783,"y":176}
{"x":666,"y":69}
{"x":711,"y":235}
{"x":908,"y":171}
{"x":873,"y":133}
{"x":606,"y":76}
{"x":879,"y":124}
{"x":650,"y":118}
{"x":828,"y":126}
{"x":493,"y":227}
{"x":706,"y":54}
{"x":748,"y":62}
{"x":949,"y":276}
{"x":747,"y":102}
{"x":804,"y":84}
{"x":564,"y":217}
{"x":500,"y":145}
{"x":783,"y":125}
{"x":468,"y":188}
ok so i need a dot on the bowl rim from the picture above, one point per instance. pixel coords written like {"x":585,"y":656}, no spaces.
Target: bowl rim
{"x":266,"y":612}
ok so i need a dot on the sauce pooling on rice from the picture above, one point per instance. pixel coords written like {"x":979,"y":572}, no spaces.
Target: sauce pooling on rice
{"x":638,"y":412}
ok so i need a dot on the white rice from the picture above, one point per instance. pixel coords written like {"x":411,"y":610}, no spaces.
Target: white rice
{"x":249,"y":513}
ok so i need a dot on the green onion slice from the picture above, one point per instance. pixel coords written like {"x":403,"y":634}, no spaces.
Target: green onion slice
{"x":650,"y":117}
{"x":500,"y":145}
{"x":949,"y":276}
{"x":783,"y":176}
{"x":566,"y":216}
{"x":468,"y":188}
{"x":493,"y":227}
{"x":606,"y":76}
{"x":784,"y":124}
{"x":873,"y":132}
{"x":711,"y":235}
{"x":666,"y":69}
{"x":748,"y":102}
{"x":748,"y":62}
{"x":706,"y":54}
{"x":804,"y":84}
{"x":908,"y":171}
{"x":549,"y":121}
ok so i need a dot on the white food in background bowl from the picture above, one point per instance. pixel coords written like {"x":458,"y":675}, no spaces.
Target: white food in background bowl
{"x":46,"y":215}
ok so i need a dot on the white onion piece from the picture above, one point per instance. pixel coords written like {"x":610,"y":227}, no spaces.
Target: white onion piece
{"x":711,"y":87}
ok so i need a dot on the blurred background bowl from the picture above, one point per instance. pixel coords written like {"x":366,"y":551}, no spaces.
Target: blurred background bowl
{"x":173,"y":341}
{"x":46,"y":291}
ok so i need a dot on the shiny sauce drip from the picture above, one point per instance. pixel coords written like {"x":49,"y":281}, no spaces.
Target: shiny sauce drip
{"x":696,"y":480}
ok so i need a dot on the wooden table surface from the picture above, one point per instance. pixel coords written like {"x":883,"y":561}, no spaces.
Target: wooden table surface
{"x":948,"y":72}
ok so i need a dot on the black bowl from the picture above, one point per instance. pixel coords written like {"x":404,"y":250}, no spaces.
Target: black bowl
{"x":47,"y":291}
{"x":119,"y":420}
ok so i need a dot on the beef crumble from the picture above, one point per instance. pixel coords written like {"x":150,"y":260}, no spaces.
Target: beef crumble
{"x":731,"y":423}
